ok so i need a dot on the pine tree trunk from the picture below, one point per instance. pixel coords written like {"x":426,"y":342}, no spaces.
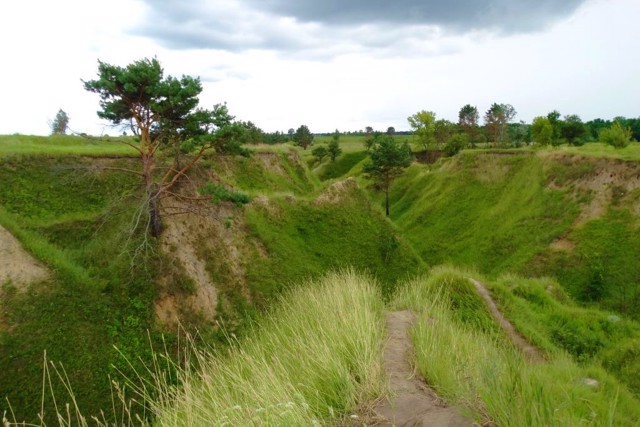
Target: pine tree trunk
{"x":387,"y":201}
{"x":154,"y":214}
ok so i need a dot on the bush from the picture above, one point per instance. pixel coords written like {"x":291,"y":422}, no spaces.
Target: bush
{"x":616,"y":136}
{"x":219,"y":193}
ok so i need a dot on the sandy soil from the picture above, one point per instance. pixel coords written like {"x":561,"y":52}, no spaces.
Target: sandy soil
{"x":412,"y":403}
{"x":16,"y":264}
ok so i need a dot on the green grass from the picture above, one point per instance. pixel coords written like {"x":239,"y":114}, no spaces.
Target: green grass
{"x":76,"y":219}
{"x":552,"y":321}
{"x":265,"y":173}
{"x":312,"y":360}
{"x":603,"y":266}
{"x":493,"y":212}
{"x":342,"y":166}
{"x":599,"y":150}
{"x":63,"y":145}
{"x":304,"y":238}
{"x":480,"y":371}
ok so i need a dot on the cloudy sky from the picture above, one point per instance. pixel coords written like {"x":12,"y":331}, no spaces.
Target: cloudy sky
{"x":329,"y":64}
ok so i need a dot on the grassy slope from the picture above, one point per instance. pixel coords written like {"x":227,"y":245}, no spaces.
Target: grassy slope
{"x":500,"y":213}
{"x":493,"y":212}
{"x":313,"y":359}
{"x":476,"y":367}
{"x":73,"y":216}
{"x":63,"y":211}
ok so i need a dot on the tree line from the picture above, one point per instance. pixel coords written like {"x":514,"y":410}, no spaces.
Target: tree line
{"x":500,"y":130}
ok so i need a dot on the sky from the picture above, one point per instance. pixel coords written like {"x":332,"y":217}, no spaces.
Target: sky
{"x":328,"y":64}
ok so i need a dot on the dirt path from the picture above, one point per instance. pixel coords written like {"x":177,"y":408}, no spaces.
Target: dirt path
{"x":530,"y":352}
{"x":411,"y":403}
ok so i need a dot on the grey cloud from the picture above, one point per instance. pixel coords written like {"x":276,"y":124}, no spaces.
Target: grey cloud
{"x":314,"y":28}
{"x":458,"y":15}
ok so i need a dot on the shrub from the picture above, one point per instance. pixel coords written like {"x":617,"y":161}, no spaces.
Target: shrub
{"x":219,"y":193}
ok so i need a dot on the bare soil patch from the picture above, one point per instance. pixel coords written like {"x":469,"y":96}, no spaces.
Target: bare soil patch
{"x":337,"y":192}
{"x":16,"y":264}
{"x":530,"y":352}
{"x":412,"y":402}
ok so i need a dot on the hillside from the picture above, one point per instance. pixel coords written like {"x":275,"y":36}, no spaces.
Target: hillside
{"x":254,"y":227}
{"x":558,"y":214}
{"x":218,"y":264}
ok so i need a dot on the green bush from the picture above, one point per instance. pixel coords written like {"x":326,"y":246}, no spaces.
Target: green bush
{"x":219,"y":193}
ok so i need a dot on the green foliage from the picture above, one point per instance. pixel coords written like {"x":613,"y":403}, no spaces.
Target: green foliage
{"x":468,"y":120}
{"x":456,"y":143}
{"x":573,"y":130}
{"x":616,"y":136}
{"x":303,"y":137}
{"x":542,"y":130}
{"x":388,"y":160}
{"x":220,"y":193}
{"x":320,"y":152}
{"x":496,"y":119}
{"x":333,"y":149}
{"x":60,"y":123}
{"x":423,"y":124}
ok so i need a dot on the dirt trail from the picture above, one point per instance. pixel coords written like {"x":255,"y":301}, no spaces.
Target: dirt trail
{"x":412,"y":403}
{"x":530,"y":352}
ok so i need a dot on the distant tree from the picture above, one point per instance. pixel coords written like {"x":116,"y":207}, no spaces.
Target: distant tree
{"x":253,"y":134}
{"x":303,"y":137}
{"x":573,"y":130}
{"x":468,"y":121}
{"x":633,"y":124}
{"x":369,"y":140}
{"x":368,"y":130}
{"x":596,"y":125}
{"x":541,"y":130}
{"x":443,"y":131}
{"x":391,"y":130}
{"x":333,"y":149}
{"x":388,"y":161}
{"x":496,"y":120}
{"x":60,"y":123}
{"x":320,"y":152}
{"x":519,"y":133}
{"x":556,"y":125}
{"x":291,"y":132}
{"x":423,"y":124}
{"x":162,"y":111}
{"x":616,"y":136}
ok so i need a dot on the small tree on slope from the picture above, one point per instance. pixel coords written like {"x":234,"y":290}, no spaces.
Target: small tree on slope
{"x":388,"y":161}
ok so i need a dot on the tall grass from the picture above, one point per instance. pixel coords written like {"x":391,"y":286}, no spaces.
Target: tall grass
{"x":478,"y":369}
{"x":310,"y":361}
